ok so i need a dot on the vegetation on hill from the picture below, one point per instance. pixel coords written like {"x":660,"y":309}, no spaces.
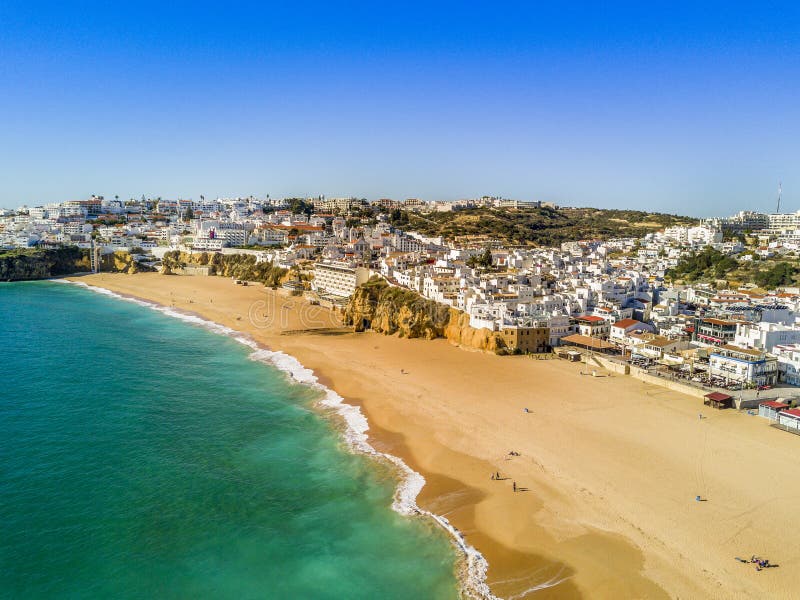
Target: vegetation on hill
{"x":538,"y":226}
{"x":780,"y":274}
{"x":36,"y":263}
{"x":708,"y":264}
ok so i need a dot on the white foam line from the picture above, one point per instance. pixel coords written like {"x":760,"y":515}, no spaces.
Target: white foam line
{"x":473,"y":579}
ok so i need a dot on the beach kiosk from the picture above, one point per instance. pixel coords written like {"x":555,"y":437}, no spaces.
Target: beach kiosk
{"x":770,"y":409}
{"x":718,"y":400}
{"x":789,"y":420}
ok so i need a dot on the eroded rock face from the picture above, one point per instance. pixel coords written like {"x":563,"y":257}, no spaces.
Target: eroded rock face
{"x":41,"y":264}
{"x":391,"y":310}
{"x":459,"y":332}
{"x":120,"y":262}
{"x":239,"y":266}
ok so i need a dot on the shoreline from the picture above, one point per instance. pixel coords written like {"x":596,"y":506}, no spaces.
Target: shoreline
{"x":608,"y":463}
{"x":471,"y":566}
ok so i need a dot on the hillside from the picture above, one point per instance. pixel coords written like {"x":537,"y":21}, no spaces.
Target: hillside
{"x":539,"y":226}
{"x":711,"y":266}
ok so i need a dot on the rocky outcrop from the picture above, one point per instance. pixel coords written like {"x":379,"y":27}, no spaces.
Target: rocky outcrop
{"x":27,"y":264}
{"x":121,"y":262}
{"x":390,"y":310}
{"x":238,"y":266}
{"x":459,"y":332}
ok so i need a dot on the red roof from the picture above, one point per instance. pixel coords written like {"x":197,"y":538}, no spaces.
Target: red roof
{"x":625,"y":323}
{"x":718,"y":396}
{"x":591,"y":319}
{"x":795,"y":412}
{"x":774,"y":404}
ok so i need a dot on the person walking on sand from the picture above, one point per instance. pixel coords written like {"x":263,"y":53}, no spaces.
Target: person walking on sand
{"x":492,"y":476}
{"x":515,"y":486}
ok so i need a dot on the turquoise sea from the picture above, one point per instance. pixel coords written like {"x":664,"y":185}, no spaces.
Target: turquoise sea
{"x":144,"y":457}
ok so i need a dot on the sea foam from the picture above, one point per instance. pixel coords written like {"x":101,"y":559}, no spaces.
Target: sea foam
{"x":475,"y":566}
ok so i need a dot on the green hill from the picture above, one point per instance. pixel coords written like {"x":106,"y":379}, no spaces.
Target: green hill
{"x":538,"y":226}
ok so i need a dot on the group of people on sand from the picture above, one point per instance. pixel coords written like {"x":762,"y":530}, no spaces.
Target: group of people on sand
{"x":760,"y":563}
{"x":496,"y":477}
{"x":496,"y":474}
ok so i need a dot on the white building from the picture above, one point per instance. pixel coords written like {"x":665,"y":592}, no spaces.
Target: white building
{"x":765,"y":336}
{"x":743,"y":365}
{"x":788,"y":357}
{"x":338,"y":279}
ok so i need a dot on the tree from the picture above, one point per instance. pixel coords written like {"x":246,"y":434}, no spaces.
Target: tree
{"x":300,"y":206}
{"x":486,"y":258}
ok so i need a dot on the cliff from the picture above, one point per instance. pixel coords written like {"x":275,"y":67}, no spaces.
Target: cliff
{"x":27,"y":264}
{"x":391,"y":310}
{"x":459,"y":332}
{"x":238,"y":266}
{"x":121,"y":262}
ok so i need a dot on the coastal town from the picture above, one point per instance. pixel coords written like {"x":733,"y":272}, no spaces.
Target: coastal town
{"x":617,"y":303}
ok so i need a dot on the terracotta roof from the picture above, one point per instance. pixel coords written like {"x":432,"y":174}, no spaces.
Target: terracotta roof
{"x":717,"y":396}
{"x":625,"y":323}
{"x":591,"y":318}
{"x":585,"y":340}
{"x":793,"y":412}
{"x":659,"y":342}
{"x":774,"y":404}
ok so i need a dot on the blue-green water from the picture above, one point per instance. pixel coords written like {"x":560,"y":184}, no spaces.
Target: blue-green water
{"x":142,"y":457}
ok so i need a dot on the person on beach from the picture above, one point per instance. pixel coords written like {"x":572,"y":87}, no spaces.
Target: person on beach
{"x":497,"y":475}
{"x":492,"y":476}
{"x":515,"y":486}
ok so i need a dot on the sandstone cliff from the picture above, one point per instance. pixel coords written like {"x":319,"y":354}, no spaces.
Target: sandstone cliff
{"x":27,"y":264}
{"x":121,"y":262}
{"x":239,"y":266}
{"x":459,"y":332}
{"x":391,"y":310}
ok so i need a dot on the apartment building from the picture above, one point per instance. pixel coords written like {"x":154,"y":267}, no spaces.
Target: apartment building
{"x":338,"y":279}
{"x":716,"y":332}
{"x":743,"y":365}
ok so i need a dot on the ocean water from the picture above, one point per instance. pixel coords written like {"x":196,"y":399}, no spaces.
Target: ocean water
{"x":144,"y":457}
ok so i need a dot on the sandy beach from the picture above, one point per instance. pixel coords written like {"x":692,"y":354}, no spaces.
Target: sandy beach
{"x":608,"y":467}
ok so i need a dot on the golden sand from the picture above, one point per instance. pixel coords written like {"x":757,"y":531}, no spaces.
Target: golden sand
{"x":609,"y":466}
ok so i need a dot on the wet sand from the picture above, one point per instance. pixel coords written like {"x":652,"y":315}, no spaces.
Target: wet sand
{"x":610,"y":466}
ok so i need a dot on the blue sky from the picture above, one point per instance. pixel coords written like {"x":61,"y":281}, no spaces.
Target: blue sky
{"x":662,"y":106}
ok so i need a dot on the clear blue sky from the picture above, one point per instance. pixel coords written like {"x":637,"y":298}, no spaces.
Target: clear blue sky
{"x":664,"y":106}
